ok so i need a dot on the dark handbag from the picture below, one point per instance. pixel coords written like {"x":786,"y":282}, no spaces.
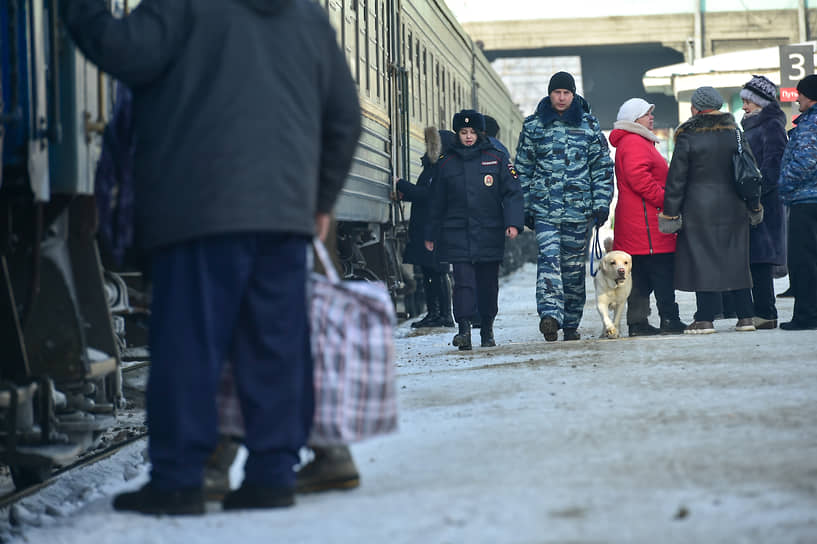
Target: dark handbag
{"x":748,"y":179}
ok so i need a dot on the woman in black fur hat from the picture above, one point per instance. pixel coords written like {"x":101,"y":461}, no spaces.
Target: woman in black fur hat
{"x":476,"y":203}
{"x":764,"y":124}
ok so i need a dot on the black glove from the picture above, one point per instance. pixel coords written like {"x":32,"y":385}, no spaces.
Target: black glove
{"x":756,"y":216}
{"x":669,"y":225}
{"x":530,"y":221}
{"x":600,"y":216}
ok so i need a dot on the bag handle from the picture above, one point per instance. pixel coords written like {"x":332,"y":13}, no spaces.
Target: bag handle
{"x":323,"y":256}
{"x":737,"y":134}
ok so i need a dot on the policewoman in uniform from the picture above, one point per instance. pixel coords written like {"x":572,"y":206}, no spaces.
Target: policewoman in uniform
{"x":477,"y":202}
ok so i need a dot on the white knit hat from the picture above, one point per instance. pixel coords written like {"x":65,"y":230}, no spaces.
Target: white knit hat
{"x":634,"y":108}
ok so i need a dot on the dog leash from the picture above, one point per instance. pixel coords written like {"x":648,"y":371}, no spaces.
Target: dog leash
{"x":595,"y":250}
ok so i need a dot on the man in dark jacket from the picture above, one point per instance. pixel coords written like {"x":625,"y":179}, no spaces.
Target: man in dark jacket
{"x":246,"y":119}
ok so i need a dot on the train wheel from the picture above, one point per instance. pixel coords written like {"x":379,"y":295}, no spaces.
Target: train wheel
{"x":27,"y":476}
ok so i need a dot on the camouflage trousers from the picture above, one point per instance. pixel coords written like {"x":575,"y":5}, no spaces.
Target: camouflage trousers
{"x":560,"y":276}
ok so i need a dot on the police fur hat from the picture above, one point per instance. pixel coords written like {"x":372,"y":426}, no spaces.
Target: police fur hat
{"x":469,"y":118}
{"x":759,"y":90}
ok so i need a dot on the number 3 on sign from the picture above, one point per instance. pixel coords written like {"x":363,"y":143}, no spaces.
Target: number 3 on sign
{"x":798,"y":61}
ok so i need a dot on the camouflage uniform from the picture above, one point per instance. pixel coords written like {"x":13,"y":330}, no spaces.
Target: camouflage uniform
{"x":567,"y":179}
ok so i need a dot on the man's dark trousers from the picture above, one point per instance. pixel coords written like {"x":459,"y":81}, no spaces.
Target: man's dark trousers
{"x":236,"y":296}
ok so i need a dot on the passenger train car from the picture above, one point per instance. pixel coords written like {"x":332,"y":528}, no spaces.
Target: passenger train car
{"x":61,"y":335}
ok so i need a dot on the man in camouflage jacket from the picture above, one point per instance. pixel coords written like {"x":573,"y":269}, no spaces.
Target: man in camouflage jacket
{"x":798,"y":190}
{"x":567,"y":179}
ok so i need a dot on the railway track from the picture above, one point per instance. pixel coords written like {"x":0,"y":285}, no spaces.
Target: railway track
{"x":130,"y":427}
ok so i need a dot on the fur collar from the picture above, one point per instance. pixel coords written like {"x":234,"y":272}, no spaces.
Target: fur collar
{"x":708,"y":122}
{"x":635,"y":128}
{"x":434,"y":144}
{"x":771,"y":113}
{"x":573,"y":116}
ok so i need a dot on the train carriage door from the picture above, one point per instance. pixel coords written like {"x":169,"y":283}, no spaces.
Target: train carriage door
{"x":398,"y":99}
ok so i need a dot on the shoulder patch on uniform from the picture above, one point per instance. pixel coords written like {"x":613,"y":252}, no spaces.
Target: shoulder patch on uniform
{"x":512,"y":171}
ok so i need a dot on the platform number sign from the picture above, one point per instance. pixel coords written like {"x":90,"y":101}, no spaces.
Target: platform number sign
{"x":796,"y":62}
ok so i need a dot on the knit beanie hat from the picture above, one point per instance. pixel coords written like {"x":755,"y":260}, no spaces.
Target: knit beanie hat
{"x":562,"y":80}
{"x":706,"y":98}
{"x":759,"y":90}
{"x":808,"y":86}
{"x":469,"y":118}
{"x":633,"y":109}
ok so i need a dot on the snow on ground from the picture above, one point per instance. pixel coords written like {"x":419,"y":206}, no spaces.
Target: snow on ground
{"x":675,"y":439}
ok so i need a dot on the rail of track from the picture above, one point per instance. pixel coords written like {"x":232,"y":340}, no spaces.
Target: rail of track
{"x":123,"y":436}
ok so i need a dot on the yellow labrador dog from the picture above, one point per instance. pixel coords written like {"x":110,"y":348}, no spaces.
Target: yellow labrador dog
{"x":613,"y":285}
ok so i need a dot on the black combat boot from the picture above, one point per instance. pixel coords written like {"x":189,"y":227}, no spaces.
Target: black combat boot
{"x":486,"y":333}
{"x":549,"y":327}
{"x":571,"y":334}
{"x":463,"y":339}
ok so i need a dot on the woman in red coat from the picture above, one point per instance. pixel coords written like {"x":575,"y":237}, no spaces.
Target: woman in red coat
{"x":641,"y":173}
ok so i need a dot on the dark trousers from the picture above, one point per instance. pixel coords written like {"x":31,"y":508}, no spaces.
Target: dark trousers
{"x":652,"y":274}
{"x":241,"y":297}
{"x":476,"y":286}
{"x":802,"y":260}
{"x":763,"y":290}
{"x":436,"y":286}
{"x":710,"y":303}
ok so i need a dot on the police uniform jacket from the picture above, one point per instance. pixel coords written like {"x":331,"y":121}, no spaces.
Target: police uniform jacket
{"x":476,"y":196}
{"x":766,"y":134}
{"x":712,"y":251}
{"x":246,"y":116}
{"x":798,"y":174}
{"x":641,"y":172}
{"x":564,"y":164}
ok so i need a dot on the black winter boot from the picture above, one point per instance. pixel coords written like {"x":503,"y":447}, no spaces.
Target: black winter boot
{"x":486,"y":333}
{"x":673,"y":325}
{"x":571,"y":334}
{"x":463,"y":339}
{"x":161,"y":502}
{"x":446,"y":320}
{"x":432,"y":318}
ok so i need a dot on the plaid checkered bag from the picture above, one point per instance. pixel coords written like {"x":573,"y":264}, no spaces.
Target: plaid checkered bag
{"x":352,"y":335}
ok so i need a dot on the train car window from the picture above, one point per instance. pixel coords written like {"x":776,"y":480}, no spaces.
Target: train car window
{"x":367,"y":47}
{"x":378,"y":43}
{"x":418,"y":96}
{"x":358,"y":28}
{"x":410,"y":68}
{"x":425,"y":86}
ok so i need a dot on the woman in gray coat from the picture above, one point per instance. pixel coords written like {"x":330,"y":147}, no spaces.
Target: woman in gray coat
{"x":712,"y":221}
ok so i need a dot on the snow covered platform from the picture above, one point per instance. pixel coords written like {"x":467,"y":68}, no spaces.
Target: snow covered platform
{"x":671,"y":439}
